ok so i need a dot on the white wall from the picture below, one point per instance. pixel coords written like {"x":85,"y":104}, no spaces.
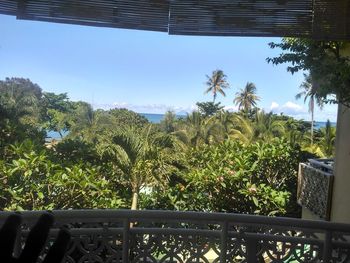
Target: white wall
{"x":341,"y":187}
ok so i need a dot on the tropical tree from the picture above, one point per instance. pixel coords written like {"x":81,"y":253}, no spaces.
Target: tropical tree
{"x":20,"y":100}
{"x":169,"y":122}
{"x":20,"y":112}
{"x":196,"y":130}
{"x":264,"y":127}
{"x":141,"y":158}
{"x":246,"y":98}
{"x":323,"y":59}
{"x":243,"y":130}
{"x":309,"y":92}
{"x":209,"y":108}
{"x":216,"y":83}
{"x":87,"y":123}
{"x":225,"y":120}
{"x":125,"y":117}
{"x":327,"y":140}
{"x":267,"y":127}
{"x":56,"y":111}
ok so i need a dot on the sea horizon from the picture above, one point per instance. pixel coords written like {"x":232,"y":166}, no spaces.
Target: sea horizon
{"x":158,"y":117}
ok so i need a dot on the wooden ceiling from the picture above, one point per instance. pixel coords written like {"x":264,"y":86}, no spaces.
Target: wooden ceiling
{"x":318,"y":19}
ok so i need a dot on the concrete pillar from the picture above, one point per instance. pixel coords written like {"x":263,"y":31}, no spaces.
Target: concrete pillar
{"x":341,"y":186}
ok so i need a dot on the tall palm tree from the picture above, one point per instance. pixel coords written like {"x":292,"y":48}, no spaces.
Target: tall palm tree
{"x":246,"y":98}
{"x":309,"y":91}
{"x":216,"y":83}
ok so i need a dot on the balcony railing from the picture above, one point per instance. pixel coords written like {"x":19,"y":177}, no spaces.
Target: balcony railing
{"x":167,"y":236}
{"x":315,"y":182}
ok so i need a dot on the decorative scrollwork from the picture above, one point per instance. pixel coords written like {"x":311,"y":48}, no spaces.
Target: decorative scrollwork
{"x":191,"y":240}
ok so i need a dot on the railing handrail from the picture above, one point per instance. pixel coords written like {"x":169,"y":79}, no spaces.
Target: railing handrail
{"x":168,"y":215}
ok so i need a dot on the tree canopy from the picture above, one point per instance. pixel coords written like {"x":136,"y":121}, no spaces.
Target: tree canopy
{"x":329,"y":68}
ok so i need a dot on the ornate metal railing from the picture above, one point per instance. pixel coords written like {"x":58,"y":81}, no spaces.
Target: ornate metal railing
{"x":167,"y":236}
{"x":315,"y":183}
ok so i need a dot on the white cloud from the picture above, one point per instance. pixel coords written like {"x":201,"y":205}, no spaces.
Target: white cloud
{"x":274,"y":106}
{"x":231,"y":108}
{"x":151,"y":108}
{"x":301,"y":112}
{"x":288,"y":108}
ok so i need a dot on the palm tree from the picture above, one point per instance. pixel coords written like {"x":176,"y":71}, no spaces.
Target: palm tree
{"x":169,"y":122}
{"x":225,"y":120}
{"x":327,"y":140}
{"x":88,"y":123}
{"x":243,"y":129}
{"x":267,"y":127}
{"x":217,"y":83}
{"x":246,"y":98}
{"x":141,"y":157}
{"x":197,"y":130}
{"x":309,"y":91}
{"x":264,"y":127}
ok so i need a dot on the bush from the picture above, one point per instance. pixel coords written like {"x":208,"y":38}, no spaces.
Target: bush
{"x":229,"y":177}
{"x":31,"y":181}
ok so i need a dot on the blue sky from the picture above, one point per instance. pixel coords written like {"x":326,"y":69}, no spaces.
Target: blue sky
{"x":145,"y":71}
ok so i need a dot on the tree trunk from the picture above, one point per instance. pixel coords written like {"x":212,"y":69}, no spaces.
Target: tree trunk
{"x":312,"y":126}
{"x":135,"y":198}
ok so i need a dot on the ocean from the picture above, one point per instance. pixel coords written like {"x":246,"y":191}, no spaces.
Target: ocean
{"x":322,"y":124}
{"x":151,"y":117}
{"x":154,"y":118}
{"x":157,"y":118}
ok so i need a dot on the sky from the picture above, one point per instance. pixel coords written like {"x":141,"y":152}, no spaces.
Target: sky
{"x":148,"y":72}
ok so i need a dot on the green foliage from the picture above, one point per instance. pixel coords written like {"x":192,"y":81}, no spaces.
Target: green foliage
{"x":264,"y":126}
{"x":230,"y":177}
{"x":20,"y":113}
{"x":76,"y":151}
{"x":323,"y":59}
{"x":326,"y":140}
{"x":168,"y":124}
{"x":57,"y":111}
{"x":216,"y":83}
{"x":212,"y":160}
{"x":246,"y":98}
{"x":209,"y":108}
{"x":32,"y":181}
{"x":128,"y":118}
{"x":141,"y":158}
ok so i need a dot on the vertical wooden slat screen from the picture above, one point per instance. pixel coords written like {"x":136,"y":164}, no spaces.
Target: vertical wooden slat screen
{"x":319,"y":19}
